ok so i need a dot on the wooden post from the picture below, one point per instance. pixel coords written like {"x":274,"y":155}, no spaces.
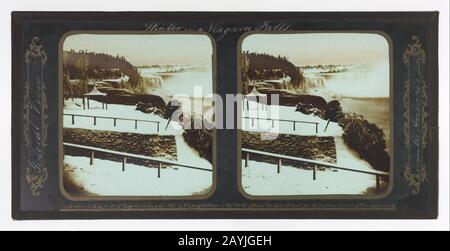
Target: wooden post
{"x":87,"y":102}
{"x":293,"y":124}
{"x":92,"y":158}
{"x":317,"y":128}
{"x":123,"y":163}
{"x":279,"y":166}
{"x":135,"y":124}
{"x":84,"y":104}
{"x":378,"y":182}
{"x":328,"y":122}
{"x":157,"y":126}
{"x":159,"y":169}
{"x":73,"y":119}
{"x":248,"y":106}
{"x":115,"y":122}
{"x":95,"y":120}
{"x":314,"y":171}
{"x":247,"y":158}
{"x":168,"y":122}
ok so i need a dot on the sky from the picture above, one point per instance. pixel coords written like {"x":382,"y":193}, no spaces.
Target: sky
{"x":321,"y":48}
{"x":146,"y":49}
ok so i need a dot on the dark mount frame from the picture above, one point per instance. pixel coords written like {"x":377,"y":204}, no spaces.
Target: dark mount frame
{"x":36,"y":115}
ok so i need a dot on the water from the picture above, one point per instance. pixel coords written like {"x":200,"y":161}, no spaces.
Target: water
{"x":371,"y":83}
{"x":189,"y":87}
{"x":181,"y":83}
{"x":375,"y":110}
{"x":362,"y":92}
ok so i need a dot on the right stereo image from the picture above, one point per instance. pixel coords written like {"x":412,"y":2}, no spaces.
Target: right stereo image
{"x":315,"y":115}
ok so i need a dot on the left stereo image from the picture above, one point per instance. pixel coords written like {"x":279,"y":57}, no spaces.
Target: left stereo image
{"x":136,"y":109}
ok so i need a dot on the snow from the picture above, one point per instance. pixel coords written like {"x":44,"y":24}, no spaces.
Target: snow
{"x":106,"y":178}
{"x":286,"y":127}
{"x":123,"y":78}
{"x":261,"y":178}
{"x":187,"y":156}
{"x":117,"y":111}
{"x":346,"y":157}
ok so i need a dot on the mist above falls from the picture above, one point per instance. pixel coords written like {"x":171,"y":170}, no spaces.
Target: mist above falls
{"x":372,"y":82}
{"x":177,"y":83}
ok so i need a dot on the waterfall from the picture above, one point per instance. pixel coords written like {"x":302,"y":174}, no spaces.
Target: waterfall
{"x":367,"y":82}
{"x":312,"y":83}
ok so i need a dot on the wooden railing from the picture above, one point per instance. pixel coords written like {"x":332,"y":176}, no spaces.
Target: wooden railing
{"x":95,"y":117}
{"x":315,"y":163}
{"x":283,"y":120}
{"x":131,"y":155}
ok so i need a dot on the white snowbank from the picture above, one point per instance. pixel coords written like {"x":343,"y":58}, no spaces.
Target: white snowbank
{"x":123,"y":78}
{"x":261,"y":178}
{"x":106,"y":178}
{"x":188,"y":156}
{"x":117,"y":111}
{"x":286,"y":127}
{"x":185,"y":154}
{"x":346,"y":157}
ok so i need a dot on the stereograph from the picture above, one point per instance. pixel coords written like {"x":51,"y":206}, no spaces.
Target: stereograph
{"x":224,"y":115}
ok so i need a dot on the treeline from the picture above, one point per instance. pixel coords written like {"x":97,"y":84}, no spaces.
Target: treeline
{"x":332,"y":68}
{"x":86,"y":65}
{"x":256,"y":66}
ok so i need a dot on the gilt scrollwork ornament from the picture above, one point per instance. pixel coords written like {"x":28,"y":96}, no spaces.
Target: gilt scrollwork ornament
{"x":415,"y":102}
{"x":35,"y":118}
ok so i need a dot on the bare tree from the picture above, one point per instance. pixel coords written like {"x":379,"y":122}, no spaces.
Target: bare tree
{"x":82,"y":65}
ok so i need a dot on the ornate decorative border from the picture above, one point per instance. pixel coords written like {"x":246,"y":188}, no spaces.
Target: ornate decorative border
{"x":35,"y":120}
{"x":415,"y":90}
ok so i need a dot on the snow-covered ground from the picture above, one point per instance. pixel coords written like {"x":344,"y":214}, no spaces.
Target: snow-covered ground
{"x":262,"y":179}
{"x":117,"y":111}
{"x":286,"y":127}
{"x":346,"y":157}
{"x":106,"y":177}
{"x":123,"y":78}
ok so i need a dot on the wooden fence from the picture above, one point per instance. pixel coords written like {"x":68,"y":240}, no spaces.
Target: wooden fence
{"x":115,"y":119}
{"x":314,"y":163}
{"x":283,"y":120}
{"x":131,"y":155}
